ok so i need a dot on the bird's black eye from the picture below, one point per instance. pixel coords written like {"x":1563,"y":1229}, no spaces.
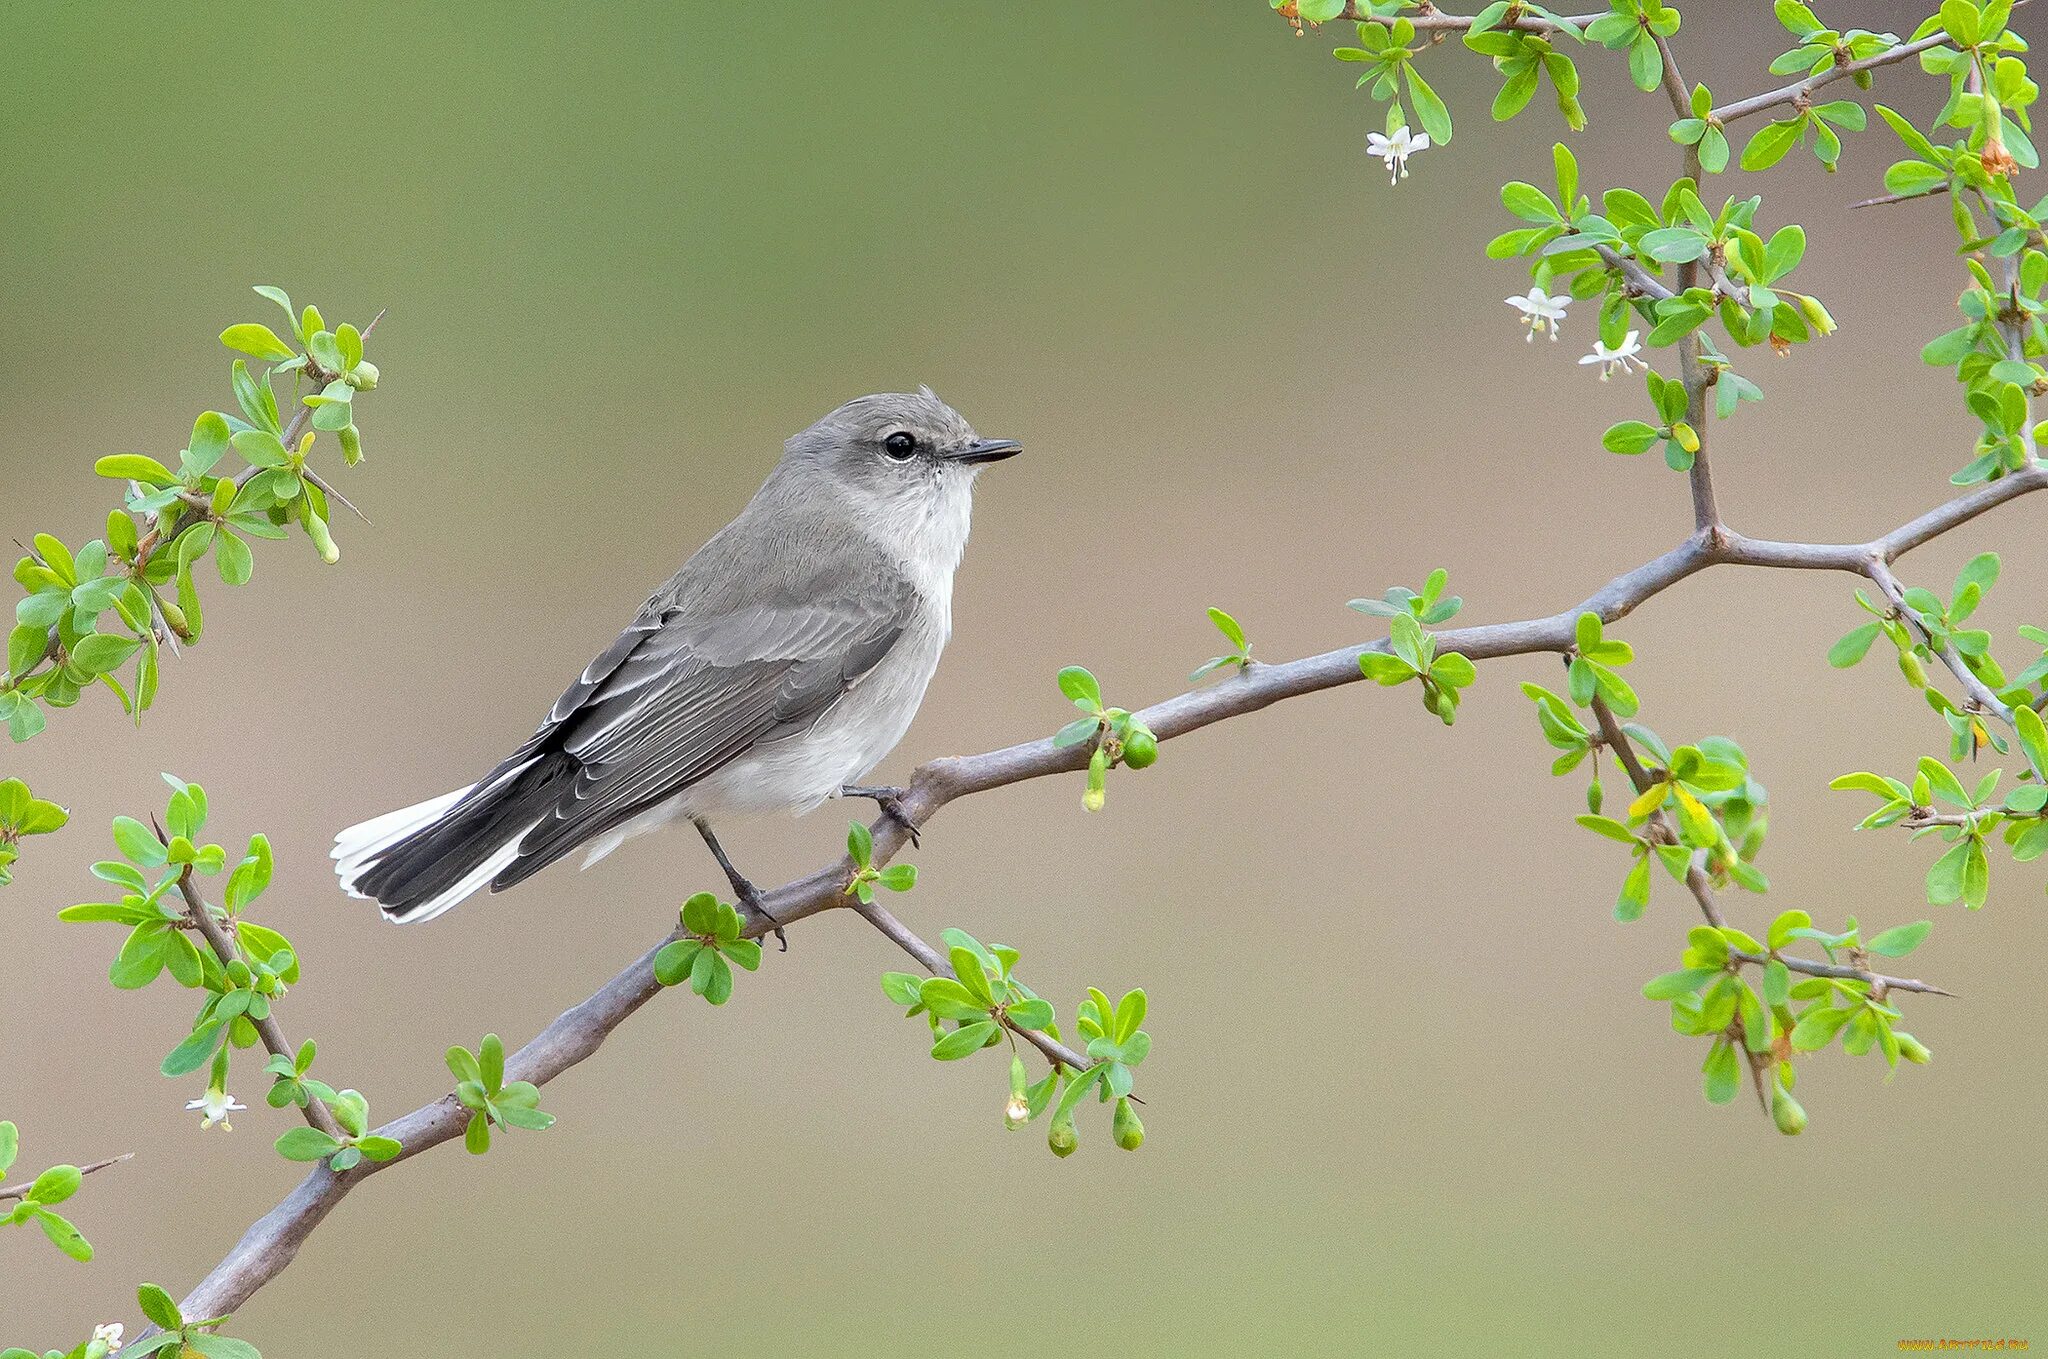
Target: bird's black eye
{"x":900,"y":445}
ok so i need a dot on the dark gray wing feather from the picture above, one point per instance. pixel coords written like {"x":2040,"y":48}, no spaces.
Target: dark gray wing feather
{"x":677,"y":697}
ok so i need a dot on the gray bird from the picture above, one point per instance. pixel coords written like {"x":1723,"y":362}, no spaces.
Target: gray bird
{"x":772,"y":672}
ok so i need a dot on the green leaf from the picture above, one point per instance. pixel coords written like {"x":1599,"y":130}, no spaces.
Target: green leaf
{"x":1683,"y":982}
{"x":1900,"y":940}
{"x":964,"y":1041}
{"x":257,"y":341}
{"x":1630,"y":437}
{"x":158,"y":1307}
{"x":63,"y":1235}
{"x":1853,"y":646}
{"x":197,"y":1049}
{"x":1771,"y":142}
{"x":1436,"y":118}
{"x":1081,"y":686}
{"x":212,"y":1346}
{"x":56,"y":1184}
{"x":306,"y":1144}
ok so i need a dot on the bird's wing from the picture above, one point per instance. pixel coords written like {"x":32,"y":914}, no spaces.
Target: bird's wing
{"x":681,"y":693}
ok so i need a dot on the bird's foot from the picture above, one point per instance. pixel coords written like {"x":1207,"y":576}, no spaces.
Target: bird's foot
{"x":890,"y":800}
{"x":747,"y":894}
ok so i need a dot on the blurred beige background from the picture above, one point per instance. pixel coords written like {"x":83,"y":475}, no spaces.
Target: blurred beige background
{"x":1405,"y":1098}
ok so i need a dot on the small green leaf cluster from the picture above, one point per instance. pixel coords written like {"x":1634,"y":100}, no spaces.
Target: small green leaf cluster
{"x":1681,"y":441}
{"x":292,"y":1084}
{"x":1118,"y":733}
{"x":481,"y":1088}
{"x":1593,"y":253}
{"x":356,"y":1144}
{"x":1963,"y":871}
{"x":1412,"y":652}
{"x":1927,"y":630}
{"x":1240,"y":653}
{"x":240,"y":990}
{"x":332,"y":360}
{"x":1525,"y":59}
{"x":1594,"y":667}
{"x":980,"y":1000}
{"x":1634,"y":26}
{"x":140,"y":575}
{"x":150,"y":872}
{"x":1821,"y":49}
{"x":984,"y":1002}
{"x":1996,"y":354}
{"x":197,"y":1338}
{"x":23,"y":814}
{"x":711,"y":945}
{"x":1384,"y":49}
{"x":1704,"y":132}
{"x":53,"y":1186}
{"x":1710,"y":997}
{"x":860,"y":848}
{"x":1773,"y":141}
{"x":1428,"y":608}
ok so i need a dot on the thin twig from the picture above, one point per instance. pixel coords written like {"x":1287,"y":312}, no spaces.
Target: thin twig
{"x":315,"y":1111}
{"x":20,"y":1191}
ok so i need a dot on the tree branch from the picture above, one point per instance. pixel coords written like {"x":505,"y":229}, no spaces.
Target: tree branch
{"x":1800,"y":90}
{"x":270,"y":1244}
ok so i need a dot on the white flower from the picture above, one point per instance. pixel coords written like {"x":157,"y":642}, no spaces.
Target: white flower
{"x":1622,"y":356}
{"x":108,"y":1335}
{"x":1396,"y":149}
{"x":216,"y":1105}
{"x":1540,"y":311}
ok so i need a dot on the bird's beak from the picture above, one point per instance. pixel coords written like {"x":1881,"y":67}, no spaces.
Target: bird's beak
{"x":987,"y":450}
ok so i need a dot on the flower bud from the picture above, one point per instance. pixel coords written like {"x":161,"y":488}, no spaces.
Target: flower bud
{"x":1098,"y":780}
{"x":1910,"y":667}
{"x":1141,"y":747}
{"x":1130,"y":1133}
{"x":1017,"y":1112}
{"x":363,"y":376}
{"x":1913,"y":1050}
{"x":1786,"y":1113}
{"x":1063,"y":1139}
{"x":316,"y":529}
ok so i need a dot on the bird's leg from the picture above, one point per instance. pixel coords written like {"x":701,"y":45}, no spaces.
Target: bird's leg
{"x":748,"y":894}
{"x":890,"y":800}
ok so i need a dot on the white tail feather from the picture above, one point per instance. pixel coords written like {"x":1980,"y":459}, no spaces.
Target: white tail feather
{"x":357,"y":849}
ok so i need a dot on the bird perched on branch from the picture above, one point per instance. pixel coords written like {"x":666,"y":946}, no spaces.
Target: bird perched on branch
{"x":778,"y":667}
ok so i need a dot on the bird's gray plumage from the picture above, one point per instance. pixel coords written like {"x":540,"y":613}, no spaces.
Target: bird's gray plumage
{"x":784,"y":659}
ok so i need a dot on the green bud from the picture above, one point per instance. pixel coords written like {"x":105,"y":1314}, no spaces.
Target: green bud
{"x":363,"y":376}
{"x":316,"y":529}
{"x":1098,"y":780}
{"x":1786,"y":1113}
{"x":1910,"y":667}
{"x":1063,"y":1139}
{"x":1141,"y":747}
{"x":1913,"y":1050}
{"x":1130,"y":1133}
{"x":1816,"y":315}
{"x":1017,"y":1112}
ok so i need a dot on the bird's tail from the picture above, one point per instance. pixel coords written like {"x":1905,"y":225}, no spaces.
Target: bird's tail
{"x":420,"y":860}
